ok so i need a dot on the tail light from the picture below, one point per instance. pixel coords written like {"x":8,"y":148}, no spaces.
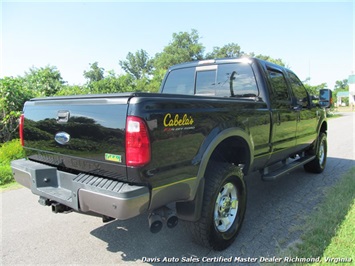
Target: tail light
{"x":137,"y":142}
{"x":20,"y":128}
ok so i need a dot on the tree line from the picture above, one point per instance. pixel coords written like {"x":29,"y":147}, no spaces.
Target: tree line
{"x":142,"y":73}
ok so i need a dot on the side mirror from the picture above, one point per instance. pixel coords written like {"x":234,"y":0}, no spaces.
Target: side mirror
{"x":325,"y":98}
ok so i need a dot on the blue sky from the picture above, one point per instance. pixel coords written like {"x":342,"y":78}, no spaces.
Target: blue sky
{"x":315,"y":39}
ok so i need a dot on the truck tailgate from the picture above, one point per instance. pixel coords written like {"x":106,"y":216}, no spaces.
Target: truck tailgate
{"x":78,"y":134}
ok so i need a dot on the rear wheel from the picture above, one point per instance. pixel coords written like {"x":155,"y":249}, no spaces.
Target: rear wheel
{"x":318,"y":164}
{"x":223,"y":207}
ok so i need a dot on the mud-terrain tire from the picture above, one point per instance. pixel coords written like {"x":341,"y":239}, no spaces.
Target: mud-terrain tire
{"x":318,"y":164}
{"x":223,"y":207}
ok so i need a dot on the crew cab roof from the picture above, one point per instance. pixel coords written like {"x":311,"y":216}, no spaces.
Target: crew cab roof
{"x":213,"y":61}
{"x":224,"y":61}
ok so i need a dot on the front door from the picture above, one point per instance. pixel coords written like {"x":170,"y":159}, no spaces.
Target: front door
{"x":283,"y":117}
{"x":306,"y":115}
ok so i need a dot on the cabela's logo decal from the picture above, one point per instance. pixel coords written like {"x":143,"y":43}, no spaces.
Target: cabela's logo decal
{"x":178,"y":122}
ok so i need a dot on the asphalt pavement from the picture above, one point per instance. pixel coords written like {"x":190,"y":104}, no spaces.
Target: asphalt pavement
{"x":32,"y":235}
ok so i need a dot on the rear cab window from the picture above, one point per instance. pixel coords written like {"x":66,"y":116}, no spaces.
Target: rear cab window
{"x":220,"y":80}
{"x":180,"y":81}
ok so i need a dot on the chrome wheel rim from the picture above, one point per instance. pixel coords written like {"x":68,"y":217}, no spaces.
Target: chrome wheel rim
{"x":226,"y":207}
{"x":321,"y":153}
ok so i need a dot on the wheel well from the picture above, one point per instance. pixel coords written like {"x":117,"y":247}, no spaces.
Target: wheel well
{"x":234,"y":150}
{"x":323,"y":128}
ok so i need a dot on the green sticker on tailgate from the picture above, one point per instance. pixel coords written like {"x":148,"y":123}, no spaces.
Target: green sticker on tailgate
{"x":113,"y":157}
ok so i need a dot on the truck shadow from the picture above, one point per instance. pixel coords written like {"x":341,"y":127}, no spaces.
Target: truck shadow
{"x":275,"y":213}
{"x":134,"y":241}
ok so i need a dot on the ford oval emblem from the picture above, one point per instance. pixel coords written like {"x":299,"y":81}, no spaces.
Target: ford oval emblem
{"x":62,"y":138}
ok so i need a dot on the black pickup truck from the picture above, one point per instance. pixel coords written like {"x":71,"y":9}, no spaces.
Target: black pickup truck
{"x":178,"y":154}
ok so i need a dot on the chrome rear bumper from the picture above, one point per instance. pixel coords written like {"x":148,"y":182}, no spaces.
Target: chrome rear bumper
{"x":82,"y":192}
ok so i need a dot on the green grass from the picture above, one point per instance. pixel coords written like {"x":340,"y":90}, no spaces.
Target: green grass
{"x":329,"y":232}
{"x":9,"y":151}
{"x":342,"y":245}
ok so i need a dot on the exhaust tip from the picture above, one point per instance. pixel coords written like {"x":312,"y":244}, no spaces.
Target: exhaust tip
{"x":172,"y":221}
{"x":157,"y":217}
{"x":155,"y":223}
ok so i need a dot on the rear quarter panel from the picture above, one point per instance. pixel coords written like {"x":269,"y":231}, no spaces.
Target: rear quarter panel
{"x":182,"y":127}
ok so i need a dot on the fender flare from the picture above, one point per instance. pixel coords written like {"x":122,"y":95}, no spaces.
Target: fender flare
{"x":225,"y":134}
{"x":191,"y":210}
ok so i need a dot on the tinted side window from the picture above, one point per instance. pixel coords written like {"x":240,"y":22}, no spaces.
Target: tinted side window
{"x":180,"y":81}
{"x":298,"y":90}
{"x":278,"y":86}
{"x":238,"y":77}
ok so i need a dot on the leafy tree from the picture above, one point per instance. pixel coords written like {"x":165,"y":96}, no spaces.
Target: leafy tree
{"x":45,"y":81}
{"x":183,"y":48}
{"x":228,"y":50}
{"x":72,"y":90}
{"x":125,"y":84}
{"x":95,"y":73}
{"x":113,"y":84}
{"x":155,"y":82}
{"x":13,"y":96}
{"x":341,"y":85}
{"x":138,"y":65}
{"x":314,"y":90}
